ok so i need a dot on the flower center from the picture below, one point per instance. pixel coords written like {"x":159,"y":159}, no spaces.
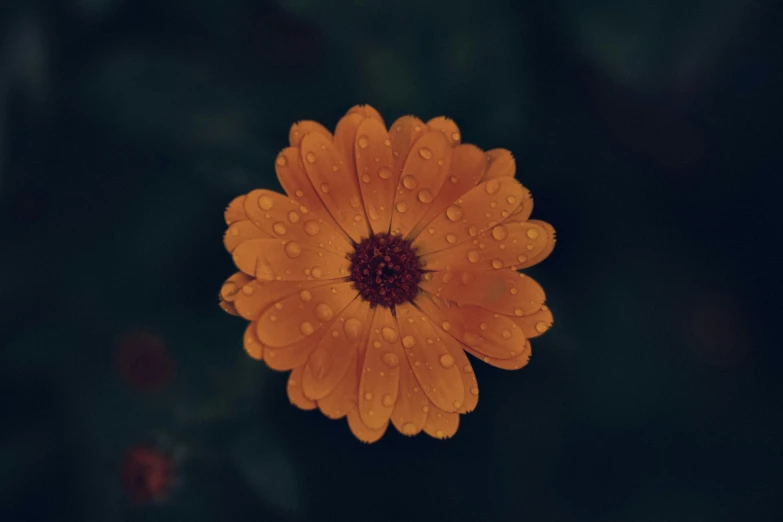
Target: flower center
{"x":385,"y":270}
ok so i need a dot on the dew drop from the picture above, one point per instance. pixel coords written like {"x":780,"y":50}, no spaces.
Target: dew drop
{"x":409,"y":341}
{"x":446,"y":325}
{"x":439,"y":434}
{"x":402,"y":207}
{"x":376,"y":344}
{"x":409,"y":428}
{"x":247,"y":289}
{"x":387,"y":142}
{"x":306,"y":328}
{"x":451,"y":238}
{"x":474,"y":390}
{"x":455,"y":136}
{"x":453,"y":179}
{"x":363,"y":142}
{"x":311,"y":228}
{"x":366,"y":178}
{"x":409,"y":182}
{"x":467,"y":368}
{"x":493,"y":186}
{"x":384,"y":173}
{"x":426,"y":409}
{"x":310,"y":156}
{"x":431,"y":231}
{"x":388,"y":400}
{"x":425,"y":153}
{"x":368,"y":396}
{"x":519,"y":312}
{"x":541,"y":327}
{"x":483,"y":327}
{"x":454,"y":213}
{"x":234,"y":231}
{"x":532,"y":233}
{"x":292,"y":250}
{"x":390,"y":359}
{"x":500,"y":232}
{"x":473,"y":256}
{"x":447,"y":361}
{"x":293,"y":217}
{"x":352,"y":328}
{"x":355,"y":203}
{"x":473,"y":231}
{"x":389,"y":334}
{"x":324,"y":312}
{"x":506,"y":334}
{"x":497,"y":264}
{"x":317,"y":272}
{"x":425,"y":196}
{"x":305,"y":296}
{"x":522,"y":258}
{"x":265,"y":202}
{"x":513,"y":291}
{"x":279,"y":228}
{"x":325,"y":188}
{"x":281,"y":160}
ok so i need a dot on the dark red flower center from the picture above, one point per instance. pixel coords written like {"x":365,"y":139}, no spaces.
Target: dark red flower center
{"x":385,"y":270}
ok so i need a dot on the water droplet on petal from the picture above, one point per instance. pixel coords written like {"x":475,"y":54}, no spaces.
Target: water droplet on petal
{"x":425,"y":196}
{"x":324,"y":312}
{"x":511,"y":199}
{"x":519,"y":312}
{"x":446,"y":325}
{"x":497,"y":263}
{"x":311,"y":228}
{"x":279,"y":228}
{"x":282,"y":160}
{"x":431,"y":231}
{"x":265,"y":202}
{"x":474,"y":390}
{"x":247,"y":289}
{"x":316,"y":272}
{"x":532,"y":233}
{"x":473,"y":256}
{"x":292,"y":249}
{"x":325,"y":188}
{"x":425,"y":153}
{"x":483,"y":327}
{"x":500,"y":232}
{"x":409,"y":428}
{"x":390,"y":359}
{"x":409,"y":182}
{"x":402,"y":207}
{"x":388,"y":400}
{"x":387,"y":142}
{"x":522,"y":258}
{"x":310,"y":156}
{"x":447,"y":361}
{"x":363,"y":142}
{"x":293,"y":217}
{"x":541,"y":327}
{"x":368,"y":396}
{"x":473,"y":231}
{"x":384,"y":173}
{"x":305,"y":295}
{"x":408,"y":341}
{"x":389,"y":334}
{"x":455,"y":136}
{"x":493,"y":186}
{"x":454,"y":213}
{"x":451,"y":238}
{"x":306,"y":328}
{"x":506,"y":334}
{"x":352,"y":328}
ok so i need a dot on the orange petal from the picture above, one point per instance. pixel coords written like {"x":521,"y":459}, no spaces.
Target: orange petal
{"x":301,"y":129}
{"x":469,"y":383}
{"x":535,"y":324}
{"x":488,"y":333}
{"x":257,"y":296}
{"x":410,"y":412}
{"x":291,"y":356}
{"x":433,"y":365}
{"x":374,"y":165}
{"x":241,"y":231}
{"x":480,"y":209}
{"x":522,"y":245}
{"x":503,"y":291}
{"x":344,"y":397}
{"x":467,"y":166}
{"x":293,"y":178}
{"x":228,"y":307}
{"x":336,"y":183}
{"x":515,"y":363}
{"x":447,"y":127}
{"x":423,"y":175}
{"x":301,"y":315}
{"x":403,"y":134}
{"x":332,"y":357}
{"x":230,"y":289}
{"x":361,"y":431}
{"x":500,"y":162}
{"x":280,"y":260}
{"x":367,"y":112}
{"x":285,"y":218}
{"x":252,"y":345}
{"x":441,"y":424}
{"x":295,"y":394}
{"x":345,"y":139}
{"x":235,"y":210}
{"x":381,"y":370}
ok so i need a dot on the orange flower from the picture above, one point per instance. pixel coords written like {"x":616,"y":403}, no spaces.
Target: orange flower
{"x":395,"y":252}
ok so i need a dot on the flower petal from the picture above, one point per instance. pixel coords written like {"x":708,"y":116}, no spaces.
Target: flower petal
{"x":295,"y":394}
{"x":301,"y":129}
{"x":430,"y":359}
{"x":480,"y":209}
{"x":367,"y":112}
{"x":403,"y":134}
{"x":381,"y":370}
{"x":334,"y":353}
{"x":279,"y":216}
{"x":467,"y":166}
{"x":485,"y":332}
{"x":228,"y":307}
{"x":345,"y":139}
{"x":535,"y":324}
{"x":503,"y":291}
{"x":291,"y":356}
{"x":423,"y":175}
{"x":277,"y":259}
{"x":299,"y":316}
{"x":252,"y":345}
{"x":522,"y":245}
{"x":447,"y":127}
{"x":515,"y":363}
{"x":441,"y":424}
{"x":257,"y":296}
{"x":361,"y":431}
{"x":235,"y":211}
{"x":230,"y":289}
{"x":336,"y":183}
{"x":293,"y":178}
{"x":344,"y":397}
{"x":500,"y":162}
{"x":241,"y":231}
{"x":469,"y":383}
{"x":374,"y":163}
{"x":410,"y":412}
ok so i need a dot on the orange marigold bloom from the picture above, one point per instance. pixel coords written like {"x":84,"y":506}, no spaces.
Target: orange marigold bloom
{"x":394,"y":253}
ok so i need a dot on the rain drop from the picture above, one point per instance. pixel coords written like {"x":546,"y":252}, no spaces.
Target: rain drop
{"x":325,"y":188}
{"x":305,"y":295}
{"x":409,"y":182}
{"x":473,"y":256}
{"x":425,"y":196}
{"x":497,"y":264}
{"x":519,"y":312}
{"x":454,"y":213}
{"x":352,"y":328}
{"x":293,"y":217}
{"x":425,"y":153}
{"x":279,"y":228}
{"x":474,"y":390}
{"x":388,"y":400}
{"x":310,"y":157}
{"x":281,"y":160}
{"x":391,"y":360}
{"x":368,"y":396}
{"x":446,"y":325}
{"x":451,"y":238}
{"x":506,"y":334}
{"x":363,"y":142}
{"x":311,"y":228}
{"x":317,"y":272}
{"x":306,"y":328}
{"x":455,"y":136}
{"x":409,"y":428}
{"x":324,"y":312}
{"x":541,"y":327}
{"x":493,"y":186}
{"x":292,"y":249}
{"x":532,"y":233}
{"x":389,"y":334}
{"x":447,"y":361}
{"x":408,"y":341}
{"x":265,"y":202}
{"x":366,"y":178}
{"x":384,"y":173}
{"x":500,"y":232}
{"x":402,"y":207}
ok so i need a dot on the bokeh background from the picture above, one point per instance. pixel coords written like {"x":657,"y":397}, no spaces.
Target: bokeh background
{"x":647,"y":131}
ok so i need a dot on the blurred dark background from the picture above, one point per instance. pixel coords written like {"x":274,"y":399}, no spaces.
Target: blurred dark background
{"x":647,"y":131}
